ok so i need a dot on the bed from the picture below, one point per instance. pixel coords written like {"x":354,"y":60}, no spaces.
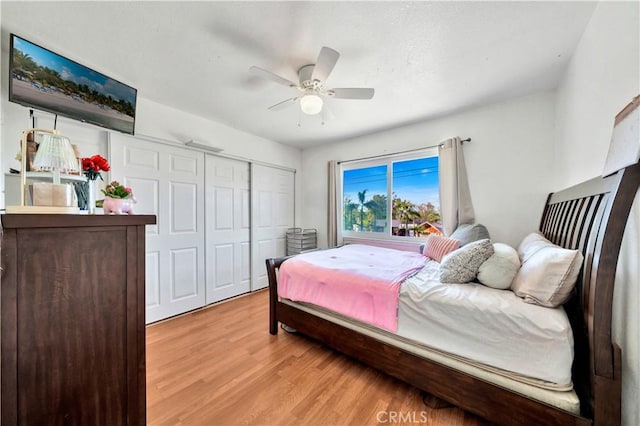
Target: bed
{"x":589,"y":217}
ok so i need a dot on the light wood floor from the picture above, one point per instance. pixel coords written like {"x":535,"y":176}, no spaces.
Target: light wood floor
{"x":220,"y":366}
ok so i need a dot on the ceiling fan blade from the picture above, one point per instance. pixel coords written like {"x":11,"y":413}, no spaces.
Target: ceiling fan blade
{"x":283,"y":104}
{"x":352,"y":93}
{"x":324,"y":65}
{"x":271,"y":76}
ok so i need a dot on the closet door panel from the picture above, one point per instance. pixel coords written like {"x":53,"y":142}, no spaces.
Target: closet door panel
{"x":142,"y":158}
{"x":186,"y":165}
{"x":272,"y":214}
{"x":245,"y":262}
{"x":224,"y":267}
{"x":184,"y":208}
{"x":224,"y":209}
{"x":228,"y":212}
{"x":184,"y":280}
{"x":147,"y":193}
{"x":245,"y":207}
{"x":168,"y":181}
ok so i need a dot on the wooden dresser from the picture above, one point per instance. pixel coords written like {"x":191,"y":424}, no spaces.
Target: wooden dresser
{"x":73,"y":319}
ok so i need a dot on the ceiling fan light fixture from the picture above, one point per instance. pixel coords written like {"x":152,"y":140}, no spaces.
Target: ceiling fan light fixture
{"x":311,"y":79}
{"x":311,"y":104}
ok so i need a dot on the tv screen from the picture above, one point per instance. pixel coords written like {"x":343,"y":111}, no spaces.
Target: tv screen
{"x":42,"y":79}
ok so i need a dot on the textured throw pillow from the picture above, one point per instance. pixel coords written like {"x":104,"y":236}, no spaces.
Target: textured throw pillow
{"x":469,"y":233}
{"x":436,"y":247}
{"x":461,"y":266}
{"x":548,"y":272}
{"x":501,"y":268}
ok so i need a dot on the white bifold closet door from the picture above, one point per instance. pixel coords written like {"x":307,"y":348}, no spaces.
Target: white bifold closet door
{"x":169,"y":182}
{"x":228,"y":228}
{"x":272,"y":213}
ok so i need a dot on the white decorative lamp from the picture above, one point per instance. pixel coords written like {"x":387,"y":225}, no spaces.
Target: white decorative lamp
{"x":311,"y":103}
{"x":55,"y":154}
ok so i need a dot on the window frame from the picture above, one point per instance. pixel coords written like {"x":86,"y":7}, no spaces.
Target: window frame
{"x":387,"y":160}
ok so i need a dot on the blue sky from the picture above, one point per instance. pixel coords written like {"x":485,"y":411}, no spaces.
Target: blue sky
{"x":373,"y":179}
{"x":413,"y":180}
{"x":75,"y":72}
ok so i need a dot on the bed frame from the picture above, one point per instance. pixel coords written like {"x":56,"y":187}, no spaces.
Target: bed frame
{"x":590,"y":217}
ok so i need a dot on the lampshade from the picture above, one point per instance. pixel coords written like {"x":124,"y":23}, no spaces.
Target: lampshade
{"x":55,"y":153}
{"x":311,"y":104}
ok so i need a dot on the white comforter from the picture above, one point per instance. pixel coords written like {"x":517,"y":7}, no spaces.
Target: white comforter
{"x":494,"y":327}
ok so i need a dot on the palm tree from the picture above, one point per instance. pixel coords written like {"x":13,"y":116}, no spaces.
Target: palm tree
{"x":361,"y":197}
{"x":23,"y":61}
{"x":377,"y":206}
{"x":404,"y":210}
{"x":348,"y":207}
{"x":429,"y":213}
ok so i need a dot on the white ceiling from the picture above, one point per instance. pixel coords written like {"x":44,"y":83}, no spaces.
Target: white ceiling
{"x":425,"y":59}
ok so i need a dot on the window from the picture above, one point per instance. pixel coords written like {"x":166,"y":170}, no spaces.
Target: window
{"x":365,"y":199}
{"x":402,"y":188}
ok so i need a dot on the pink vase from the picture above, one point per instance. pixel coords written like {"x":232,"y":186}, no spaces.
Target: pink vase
{"x":118,"y":205}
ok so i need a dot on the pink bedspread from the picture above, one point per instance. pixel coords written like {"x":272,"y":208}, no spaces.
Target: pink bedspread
{"x":359,"y":281}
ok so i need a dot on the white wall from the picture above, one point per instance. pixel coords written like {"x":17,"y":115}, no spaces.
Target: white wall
{"x":153,"y":120}
{"x":165,"y":122}
{"x":90,"y":139}
{"x":507,"y":162}
{"x":603,"y":76}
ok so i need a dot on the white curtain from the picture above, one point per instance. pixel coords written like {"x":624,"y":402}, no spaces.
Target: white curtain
{"x":332,"y":213}
{"x":455,"y":199}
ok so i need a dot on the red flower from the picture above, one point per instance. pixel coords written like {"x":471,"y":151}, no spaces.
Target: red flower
{"x":92,"y":166}
{"x":87,"y":164}
{"x":101,"y":163}
{"x":96,"y":163}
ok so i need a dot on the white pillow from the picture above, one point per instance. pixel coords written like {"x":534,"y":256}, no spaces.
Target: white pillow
{"x":548,"y":272}
{"x":531,"y":244}
{"x":501,"y":268}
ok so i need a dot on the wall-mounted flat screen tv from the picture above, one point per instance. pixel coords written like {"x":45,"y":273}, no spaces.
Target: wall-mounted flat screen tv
{"x":44,"y":80}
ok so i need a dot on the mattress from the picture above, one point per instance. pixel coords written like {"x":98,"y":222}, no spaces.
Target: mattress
{"x":359,"y":281}
{"x":492,"y":327}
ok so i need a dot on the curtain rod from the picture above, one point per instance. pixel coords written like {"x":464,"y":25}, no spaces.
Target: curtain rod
{"x":399,"y":152}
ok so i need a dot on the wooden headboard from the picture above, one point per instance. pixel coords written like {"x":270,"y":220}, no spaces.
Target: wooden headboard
{"x":591,"y":217}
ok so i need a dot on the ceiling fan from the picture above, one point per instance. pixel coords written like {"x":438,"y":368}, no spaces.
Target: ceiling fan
{"x":311,"y":84}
